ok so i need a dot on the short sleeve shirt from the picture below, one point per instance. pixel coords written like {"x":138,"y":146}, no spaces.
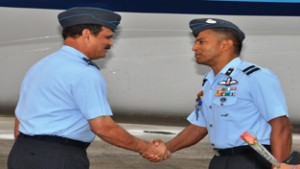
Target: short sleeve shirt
{"x":239,"y":102}
{"x":59,"y":94}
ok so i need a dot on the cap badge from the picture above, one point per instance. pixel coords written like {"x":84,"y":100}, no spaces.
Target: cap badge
{"x":211,"y":21}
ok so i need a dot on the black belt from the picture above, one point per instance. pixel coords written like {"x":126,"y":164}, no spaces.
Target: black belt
{"x":241,"y":150}
{"x":57,"y":139}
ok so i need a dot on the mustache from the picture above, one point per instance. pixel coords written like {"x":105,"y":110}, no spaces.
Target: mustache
{"x":107,"y":47}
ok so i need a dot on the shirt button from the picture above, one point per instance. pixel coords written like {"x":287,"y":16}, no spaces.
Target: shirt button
{"x":210,"y":106}
{"x":212,"y":144}
{"x":210,"y":125}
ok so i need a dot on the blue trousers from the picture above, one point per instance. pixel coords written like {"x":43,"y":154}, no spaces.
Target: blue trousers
{"x":28,"y":153}
{"x":247,"y":161}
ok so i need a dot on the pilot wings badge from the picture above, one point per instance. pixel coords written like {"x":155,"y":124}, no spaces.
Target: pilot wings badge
{"x":228,"y":82}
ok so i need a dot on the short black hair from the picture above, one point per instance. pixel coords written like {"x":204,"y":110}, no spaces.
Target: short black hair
{"x":76,"y":30}
{"x":233,"y":35}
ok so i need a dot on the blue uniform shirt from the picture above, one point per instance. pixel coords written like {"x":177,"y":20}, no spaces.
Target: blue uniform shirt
{"x":235,"y":103}
{"x":59,"y":94}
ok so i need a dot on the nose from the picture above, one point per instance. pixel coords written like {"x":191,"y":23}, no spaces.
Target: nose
{"x":194,"y":47}
{"x":110,"y":43}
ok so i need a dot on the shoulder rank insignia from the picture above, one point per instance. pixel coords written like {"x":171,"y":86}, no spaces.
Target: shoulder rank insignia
{"x":250,"y":69}
{"x":228,"y":82}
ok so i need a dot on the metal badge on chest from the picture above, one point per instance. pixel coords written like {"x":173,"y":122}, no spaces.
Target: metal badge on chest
{"x":226,"y":90}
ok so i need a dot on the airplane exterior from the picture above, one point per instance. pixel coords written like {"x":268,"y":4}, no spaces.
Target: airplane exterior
{"x":150,"y":72}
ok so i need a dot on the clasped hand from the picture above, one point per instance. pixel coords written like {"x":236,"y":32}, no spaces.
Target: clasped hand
{"x":157,"y":151}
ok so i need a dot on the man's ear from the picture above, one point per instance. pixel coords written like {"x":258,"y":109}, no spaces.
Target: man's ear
{"x":227,"y":44}
{"x":86,"y":35}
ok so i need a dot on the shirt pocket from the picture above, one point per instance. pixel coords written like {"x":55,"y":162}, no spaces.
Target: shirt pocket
{"x":223,"y":101}
{"x":224,"y":108}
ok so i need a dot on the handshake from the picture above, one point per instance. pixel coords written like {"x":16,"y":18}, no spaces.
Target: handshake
{"x":156,"y":151}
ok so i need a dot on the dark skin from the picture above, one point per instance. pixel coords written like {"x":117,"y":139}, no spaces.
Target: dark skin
{"x":214,"y":50}
{"x":109,"y":131}
{"x":217,"y":50}
{"x":191,"y":135}
{"x":281,"y":137}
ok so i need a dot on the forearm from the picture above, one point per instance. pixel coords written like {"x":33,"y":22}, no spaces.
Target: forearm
{"x":111,"y":132}
{"x":281,"y":139}
{"x":119,"y":137}
{"x":186,"y":138}
{"x":281,"y":143}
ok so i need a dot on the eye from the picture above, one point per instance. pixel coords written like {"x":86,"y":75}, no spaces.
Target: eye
{"x":109,"y":37}
{"x":200,"y":42}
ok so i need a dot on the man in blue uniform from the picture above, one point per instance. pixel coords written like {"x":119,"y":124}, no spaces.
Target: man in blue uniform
{"x":63,"y":101}
{"x":236,"y":96}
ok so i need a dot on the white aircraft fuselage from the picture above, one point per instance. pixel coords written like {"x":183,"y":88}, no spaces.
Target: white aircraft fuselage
{"x":150,"y":71}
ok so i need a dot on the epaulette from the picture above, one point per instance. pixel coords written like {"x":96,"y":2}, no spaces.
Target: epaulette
{"x":90,"y":62}
{"x":250,"y":69}
{"x":204,"y":80}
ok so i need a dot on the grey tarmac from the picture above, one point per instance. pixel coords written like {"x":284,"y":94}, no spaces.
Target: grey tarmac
{"x":105,"y":156}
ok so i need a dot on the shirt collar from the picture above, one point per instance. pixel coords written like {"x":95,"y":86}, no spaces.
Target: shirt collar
{"x":73,"y":51}
{"x":232,"y":64}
